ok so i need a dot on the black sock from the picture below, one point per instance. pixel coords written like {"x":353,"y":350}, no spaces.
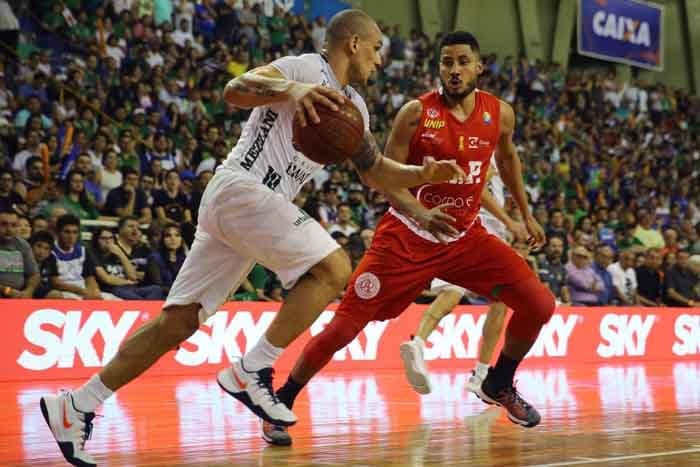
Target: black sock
{"x":503,"y":372}
{"x":289,"y":392}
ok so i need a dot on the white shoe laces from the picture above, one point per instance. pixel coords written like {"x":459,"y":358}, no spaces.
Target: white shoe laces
{"x":262,"y":388}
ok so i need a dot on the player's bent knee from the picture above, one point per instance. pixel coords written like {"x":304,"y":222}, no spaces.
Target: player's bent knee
{"x":334,"y":270}
{"x":540,"y":306}
{"x":178,"y":322}
{"x":546,"y":303}
{"x":533,"y":305}
{"x":453,"y":294}
{"x":532,"y":299}
{"x":498,"y":309}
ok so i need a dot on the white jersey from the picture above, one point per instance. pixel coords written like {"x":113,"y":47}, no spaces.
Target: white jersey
{"x":265,"y":150}
{"x":496,"y":187}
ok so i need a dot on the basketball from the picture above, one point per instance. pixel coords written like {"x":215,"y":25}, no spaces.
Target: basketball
{"x":337,"y":137}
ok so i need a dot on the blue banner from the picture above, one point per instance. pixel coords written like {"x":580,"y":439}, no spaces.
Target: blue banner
{"x":314,"y":8}
{"x":625,"y":31}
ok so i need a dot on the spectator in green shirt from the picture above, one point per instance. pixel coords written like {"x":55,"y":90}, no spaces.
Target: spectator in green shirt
{"x":277,"y":25}
{"x":253,"y":287}
{"x":645,"y":233}
{"x":53,"y":19}
{"x":80,"y":31}
{"x":122,"y":27}
{"x":77,"y":200}
{"x":128,"y":156}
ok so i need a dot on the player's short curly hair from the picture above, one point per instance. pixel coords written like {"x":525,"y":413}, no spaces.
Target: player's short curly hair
{"x":460,"y":37}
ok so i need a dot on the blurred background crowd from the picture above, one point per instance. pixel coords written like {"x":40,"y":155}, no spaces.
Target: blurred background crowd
{"x":112,"y":123}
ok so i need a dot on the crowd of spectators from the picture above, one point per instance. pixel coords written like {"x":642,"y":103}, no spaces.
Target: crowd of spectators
{"x":112,"y":123}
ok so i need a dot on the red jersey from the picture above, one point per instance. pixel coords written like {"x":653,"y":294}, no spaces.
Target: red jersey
{"x":471,"y":143}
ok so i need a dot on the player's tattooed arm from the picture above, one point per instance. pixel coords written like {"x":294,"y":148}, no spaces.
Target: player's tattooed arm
{"x":261,"y":87}
{"x":365,"y":158}
{"x":391,"y":173}
{"x":266,"y":85}
{"x":383,"y":173}
{"x":386,"y":174}
{"x":244,"y":85}
{"x":258,"y":84}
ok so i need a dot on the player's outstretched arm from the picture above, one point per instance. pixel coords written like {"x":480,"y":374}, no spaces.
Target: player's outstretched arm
{"x":266,"y":85}
{"x":510,"y":168}
{"x":435,"y":221}
{"x":390,"y":173}
{"x":397,"y":148}
{"x":383,"y":173}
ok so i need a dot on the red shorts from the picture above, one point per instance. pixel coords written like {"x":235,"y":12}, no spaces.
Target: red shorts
{"x":399,"y":265}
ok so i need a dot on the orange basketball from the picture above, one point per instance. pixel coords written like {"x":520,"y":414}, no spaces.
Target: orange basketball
{"x":337,"y":137}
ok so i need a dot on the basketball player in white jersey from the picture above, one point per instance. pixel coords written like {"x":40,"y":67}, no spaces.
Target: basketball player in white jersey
{"x":497,"y":222}
{"x":247,"y":216}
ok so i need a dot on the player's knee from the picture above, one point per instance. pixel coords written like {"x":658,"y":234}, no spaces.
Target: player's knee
{"x":453,"y":294}
{"x":497,"y":311}
{"x":178,"y":322}
{"x":334,"y":270}
{"x":542,"y":304}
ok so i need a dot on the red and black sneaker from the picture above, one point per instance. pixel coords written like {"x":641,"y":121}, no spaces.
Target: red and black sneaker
{"x":519,"y":410}
{"x":277,"y":435}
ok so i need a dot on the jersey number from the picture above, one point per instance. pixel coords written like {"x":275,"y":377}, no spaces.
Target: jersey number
{"x":272,"y":179}
{"x":474,"y":172}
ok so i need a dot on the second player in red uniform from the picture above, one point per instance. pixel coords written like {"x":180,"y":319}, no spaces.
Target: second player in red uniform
{"x":434,"y":231}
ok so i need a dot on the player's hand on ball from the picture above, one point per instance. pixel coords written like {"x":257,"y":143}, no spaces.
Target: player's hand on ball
{"x":442,"y":171}
{"x":307,"y":96}
{"x":438,"y":222}
{"x":537,"y":237}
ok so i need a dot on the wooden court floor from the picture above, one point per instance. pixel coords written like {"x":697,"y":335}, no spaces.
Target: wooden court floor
{"x":592,"y":415}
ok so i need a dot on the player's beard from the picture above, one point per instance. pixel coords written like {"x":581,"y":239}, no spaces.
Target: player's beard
{"x":457,"y":96}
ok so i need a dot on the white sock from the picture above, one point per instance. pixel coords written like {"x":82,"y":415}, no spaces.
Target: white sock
{"x":91,"y":395}
{"x":263,"y":355}
{"x":481,"y":369}
{"x":419,"y":340}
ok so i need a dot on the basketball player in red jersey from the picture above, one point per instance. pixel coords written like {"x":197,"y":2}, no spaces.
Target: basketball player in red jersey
{"x":416,"y":241}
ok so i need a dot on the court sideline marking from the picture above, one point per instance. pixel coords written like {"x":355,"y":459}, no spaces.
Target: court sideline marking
{"x":592,"y":460}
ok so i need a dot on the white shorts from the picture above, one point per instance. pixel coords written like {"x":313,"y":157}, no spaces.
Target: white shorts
{"x":242,"y":222}
{"x":438,"y":285}
{"x":494,"y":228}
